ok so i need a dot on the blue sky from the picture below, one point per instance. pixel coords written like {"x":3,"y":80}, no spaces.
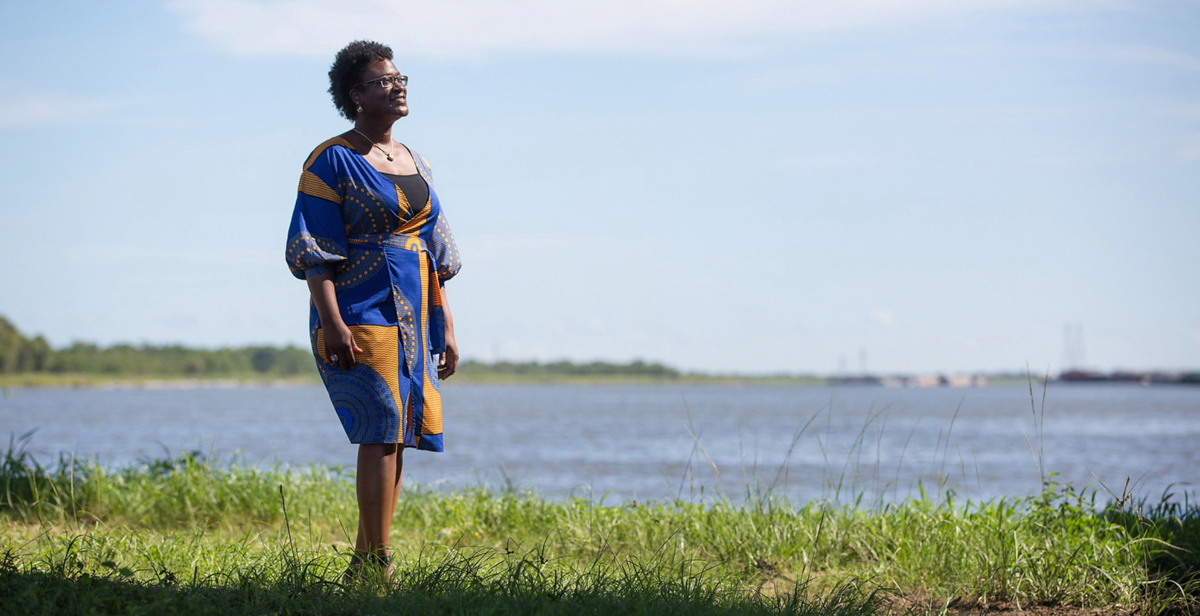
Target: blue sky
{"x":760,"y":187}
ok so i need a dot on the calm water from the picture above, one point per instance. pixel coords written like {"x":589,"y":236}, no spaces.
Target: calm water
{"x":659,"y":442}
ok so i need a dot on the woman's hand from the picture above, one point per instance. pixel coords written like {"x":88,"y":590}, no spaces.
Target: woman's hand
{"x":339,"y":343}
{"x":448,"y":362}
{"x":338,"y":339}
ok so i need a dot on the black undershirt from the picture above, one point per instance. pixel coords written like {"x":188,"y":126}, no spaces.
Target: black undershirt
{"x":415,"y":190}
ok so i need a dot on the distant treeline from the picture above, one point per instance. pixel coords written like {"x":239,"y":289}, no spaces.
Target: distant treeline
{"x":532,"y":370}
{"x":22,"y":355}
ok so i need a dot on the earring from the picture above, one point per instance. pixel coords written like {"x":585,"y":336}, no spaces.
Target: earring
{"x":359,"y":109}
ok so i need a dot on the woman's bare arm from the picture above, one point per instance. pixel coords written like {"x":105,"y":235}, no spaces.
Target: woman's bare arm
{"x":339,"y":340}
{"x":448,"y":362}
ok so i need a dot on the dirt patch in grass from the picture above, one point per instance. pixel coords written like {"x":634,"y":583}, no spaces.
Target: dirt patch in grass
{"x":916,"y":605}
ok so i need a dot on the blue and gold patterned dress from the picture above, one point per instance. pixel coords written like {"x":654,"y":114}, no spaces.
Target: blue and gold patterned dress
{"x":388,"y":258}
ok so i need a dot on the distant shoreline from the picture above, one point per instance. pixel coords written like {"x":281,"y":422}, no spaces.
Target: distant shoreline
{"x":42,"y":380}
{"x":32,"y":363}
{"x":90,"y":381}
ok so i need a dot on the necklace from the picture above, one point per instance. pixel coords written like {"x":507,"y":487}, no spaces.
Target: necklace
{"x":386,"y":153}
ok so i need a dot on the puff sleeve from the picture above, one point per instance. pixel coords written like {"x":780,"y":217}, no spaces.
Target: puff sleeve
{"x":444,"y":250}
{"x":317,"y":236}
{"x":440,"y":239}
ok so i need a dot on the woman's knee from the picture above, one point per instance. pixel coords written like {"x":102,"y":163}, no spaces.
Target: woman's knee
{"x":382,"y":450}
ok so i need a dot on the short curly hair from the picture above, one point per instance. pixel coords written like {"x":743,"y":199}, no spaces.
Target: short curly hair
{"x":347,"y":70}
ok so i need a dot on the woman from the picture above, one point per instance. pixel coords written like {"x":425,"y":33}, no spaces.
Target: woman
{"x":369,"y":236}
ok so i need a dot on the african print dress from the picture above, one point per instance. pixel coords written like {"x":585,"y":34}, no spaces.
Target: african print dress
{"x":389,"y":259}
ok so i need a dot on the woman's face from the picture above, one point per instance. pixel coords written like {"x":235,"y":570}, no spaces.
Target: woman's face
{"x":376,"y":100}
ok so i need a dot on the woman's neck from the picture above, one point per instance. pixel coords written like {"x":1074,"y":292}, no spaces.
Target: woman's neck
{"x":376,"y":131}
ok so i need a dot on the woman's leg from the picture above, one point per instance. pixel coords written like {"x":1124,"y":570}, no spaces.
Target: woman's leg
{"x":396,"y":486}
{"x":378,"y":483}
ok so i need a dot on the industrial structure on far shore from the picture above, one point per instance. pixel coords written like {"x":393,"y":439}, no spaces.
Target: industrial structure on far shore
{"x":979,"y":380}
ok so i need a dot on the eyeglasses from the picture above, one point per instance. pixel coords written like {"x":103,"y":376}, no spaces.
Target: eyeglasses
{"x":387,"y":82}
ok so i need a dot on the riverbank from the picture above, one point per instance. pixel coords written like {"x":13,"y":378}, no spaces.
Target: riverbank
{"x":41,"y":380}
{"x":469,"y":376}
{"x":94,"y":381}
{"x":197,"y":538}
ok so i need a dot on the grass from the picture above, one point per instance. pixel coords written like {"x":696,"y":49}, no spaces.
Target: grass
{"x":187,"y":536}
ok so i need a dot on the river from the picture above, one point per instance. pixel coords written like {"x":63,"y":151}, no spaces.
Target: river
{"x":617,"y":442}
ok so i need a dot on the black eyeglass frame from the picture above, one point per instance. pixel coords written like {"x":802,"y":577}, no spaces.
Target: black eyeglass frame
{"x":392,"y":79}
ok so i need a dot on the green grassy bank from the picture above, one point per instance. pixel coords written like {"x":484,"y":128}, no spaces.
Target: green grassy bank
{"x":183,"y":536}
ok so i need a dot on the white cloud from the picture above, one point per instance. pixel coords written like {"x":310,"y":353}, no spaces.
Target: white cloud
{"x":31,"y":109}
{"x":884,"y":317}
{"x":473,"y":27}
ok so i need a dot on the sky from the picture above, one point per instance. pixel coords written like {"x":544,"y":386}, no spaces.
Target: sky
{"x":755,"y":187}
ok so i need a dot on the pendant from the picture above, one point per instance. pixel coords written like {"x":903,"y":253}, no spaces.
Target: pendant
{"x":389,"y":157}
